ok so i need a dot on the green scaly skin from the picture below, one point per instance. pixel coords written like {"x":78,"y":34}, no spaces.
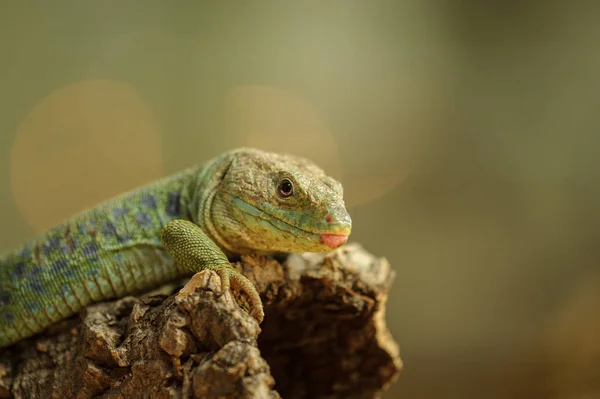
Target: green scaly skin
{"x":179,"y":225}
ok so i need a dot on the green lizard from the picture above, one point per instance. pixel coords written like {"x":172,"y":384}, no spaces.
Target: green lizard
{"x":244,"y":201}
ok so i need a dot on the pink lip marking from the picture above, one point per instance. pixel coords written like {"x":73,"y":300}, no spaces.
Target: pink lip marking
{"x":333,"y":240}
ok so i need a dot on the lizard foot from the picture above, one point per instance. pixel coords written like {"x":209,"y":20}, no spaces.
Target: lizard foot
{"x":193,"y":249}
{"x":231,"y":278}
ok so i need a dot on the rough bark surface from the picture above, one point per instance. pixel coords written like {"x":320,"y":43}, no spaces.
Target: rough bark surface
{"x":324,"y":336}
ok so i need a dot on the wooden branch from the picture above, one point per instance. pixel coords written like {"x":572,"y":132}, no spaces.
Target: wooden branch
{"x":324,"y":336}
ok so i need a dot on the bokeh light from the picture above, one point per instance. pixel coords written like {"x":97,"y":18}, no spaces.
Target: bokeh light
{"x":74,"y":149}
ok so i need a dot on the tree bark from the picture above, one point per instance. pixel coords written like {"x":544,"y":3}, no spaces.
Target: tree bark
{"x":324,"y":336}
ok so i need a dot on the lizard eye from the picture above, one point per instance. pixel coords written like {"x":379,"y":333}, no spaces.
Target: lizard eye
{"x":285,"y":188}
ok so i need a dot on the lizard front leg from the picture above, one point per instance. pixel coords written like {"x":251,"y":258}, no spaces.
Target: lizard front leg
{"x":193,"y":249}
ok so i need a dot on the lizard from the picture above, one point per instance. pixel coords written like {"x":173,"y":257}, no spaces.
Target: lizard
{"x":243,"y":201}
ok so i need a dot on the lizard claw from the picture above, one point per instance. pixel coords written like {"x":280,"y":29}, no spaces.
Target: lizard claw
{"x":231,"y":278}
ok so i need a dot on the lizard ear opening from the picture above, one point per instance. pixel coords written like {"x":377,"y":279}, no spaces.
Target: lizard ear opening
{"x":205,"y":189}
{"x":221,"y":166}
{"x":223,"y":172}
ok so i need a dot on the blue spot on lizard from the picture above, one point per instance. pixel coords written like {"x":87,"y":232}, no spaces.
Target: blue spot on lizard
{"x":119,"y":212}
{"x":149,"y":201}
{"x":143,"y":219}
{"x":87,"y":229}
{"x":65,"y":249}
{"x":8,"y":317}
{"x":32,"y":307}
{"x":5,"y":298}
{"x":173,"y":206}
{"x":61,"y":267}
{"x":36,"y":286}
{"x":109,"y":230}
{"x":90,"y":250}
{"x":50,"y":245}
{"x":18,"y":271}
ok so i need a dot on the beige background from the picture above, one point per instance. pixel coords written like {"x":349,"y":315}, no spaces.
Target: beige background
{"x":465,"y":134}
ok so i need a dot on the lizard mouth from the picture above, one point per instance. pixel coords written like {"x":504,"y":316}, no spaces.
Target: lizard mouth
{"x":332,"y":236}
{"x":334,"y":240}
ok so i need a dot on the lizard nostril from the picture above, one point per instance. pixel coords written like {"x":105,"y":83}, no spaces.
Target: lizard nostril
{"x":328,"y":218}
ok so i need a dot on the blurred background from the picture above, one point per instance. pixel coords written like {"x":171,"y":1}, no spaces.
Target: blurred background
{"x":465,"y":134}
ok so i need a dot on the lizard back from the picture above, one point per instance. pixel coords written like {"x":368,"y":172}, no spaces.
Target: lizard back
{"x":105,"y":252}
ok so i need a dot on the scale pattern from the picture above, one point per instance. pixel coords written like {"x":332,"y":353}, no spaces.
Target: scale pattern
{"x":106,"y":252}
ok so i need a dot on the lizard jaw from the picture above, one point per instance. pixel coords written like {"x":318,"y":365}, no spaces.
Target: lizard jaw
{"x":335,"y":235}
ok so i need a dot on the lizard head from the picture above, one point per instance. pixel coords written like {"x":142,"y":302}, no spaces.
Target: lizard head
{"x":271,"y":202}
